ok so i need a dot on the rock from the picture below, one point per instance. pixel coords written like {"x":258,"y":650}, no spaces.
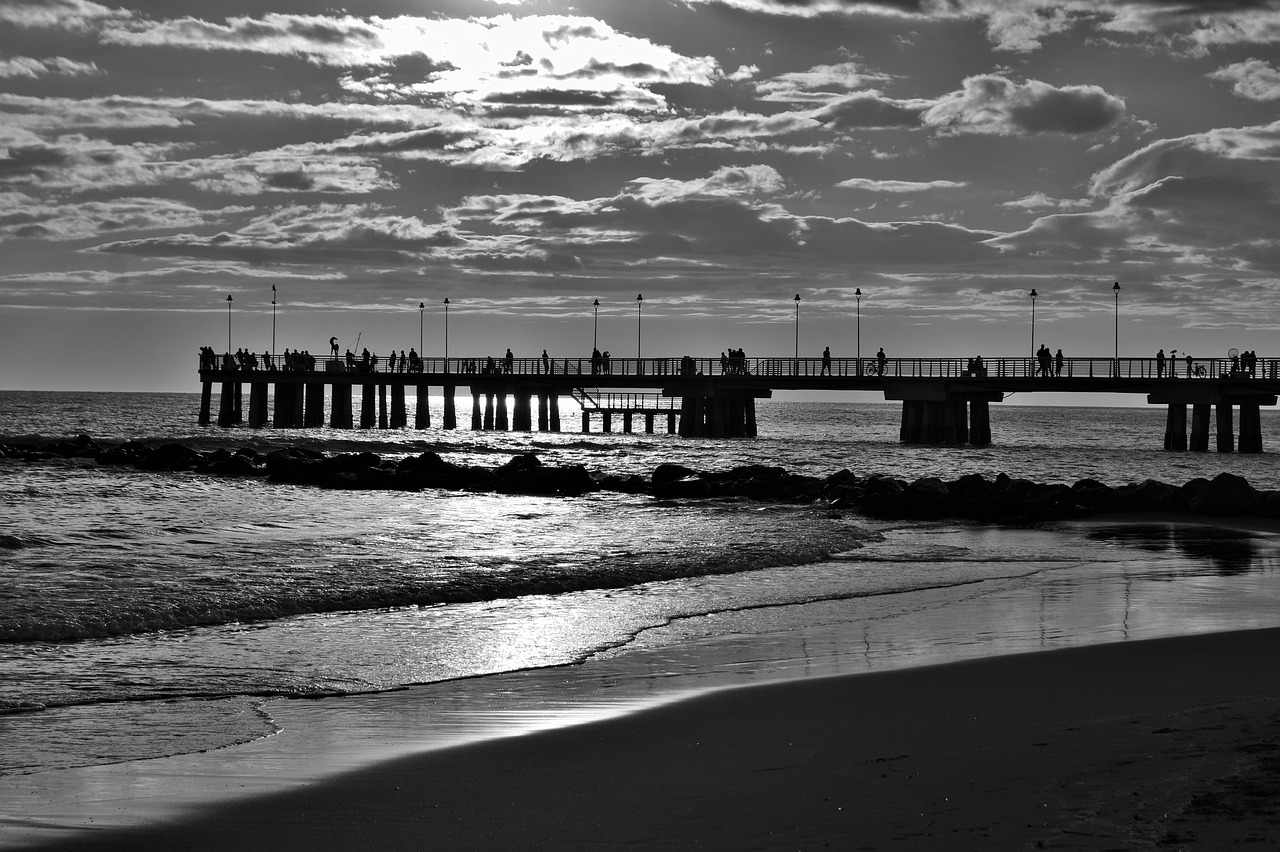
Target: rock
{"x":685,"y":487}
{"x":1150,"y":495}
{"x":171,"y":457}
{"x":1226,"y":494}
{"x":664,"y":473}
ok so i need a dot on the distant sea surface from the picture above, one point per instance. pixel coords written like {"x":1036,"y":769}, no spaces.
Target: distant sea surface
{"x":145,"y":614}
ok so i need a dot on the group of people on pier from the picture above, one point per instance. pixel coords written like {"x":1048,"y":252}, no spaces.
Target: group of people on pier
{"x":1048,"y":363}
{"x":734,"y":363}
{"x":599,"y":362}
{"x":367,"y":362}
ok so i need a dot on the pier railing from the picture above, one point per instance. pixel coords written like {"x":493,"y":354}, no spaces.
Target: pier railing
{"x":817,"y":368}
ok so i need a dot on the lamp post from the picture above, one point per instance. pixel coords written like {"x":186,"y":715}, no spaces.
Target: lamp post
{"x":1033,"y":320}
{"x":446,"y":334}
{"x":639,"y":302}
{"x":228,"y":323}
{"x":1115,"y":288}
{"x":797,"y":332}
{"x":857,"y":295}
{"x":422,"y":319}
{"x":273,"y":321}
{"x":595,"y":327}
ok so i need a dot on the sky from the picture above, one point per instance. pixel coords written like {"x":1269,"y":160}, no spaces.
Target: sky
{"x":525,"y":158}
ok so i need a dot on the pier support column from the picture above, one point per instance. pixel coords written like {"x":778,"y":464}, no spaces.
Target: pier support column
{"x":1250,"y":428}
{"x":299,"y":412}
{"x":382,"y":407}
{"x":606,"y":421}
{"x":961,"y":410}
{"x":368,"y":406}
{"x":749,"y":418}
{"x":544,"y":411}
{"x":226,"y":408}
{"x":237,"y":403}
{"x":910,"y":431}
{"x":285,"y":406}
{"x":450,"y":414}
{"x":979,"y":423}
{"x":477,"y":414}
{"x":206,"y":402}
{"x":257,"y":405}
{"x":648,"y":422}
{"x":586,"y":422}
{"x":488,"y":412}
{"x":340,"y":407}
{"x":399,"y":416}
{"x":314,"y":416}
{"x":501,"y":423}
{"x":1226,"y":428}
{"x":1200,"y":428}
{"x":688,"y":412}
{"x":553,"y":416}
{"x":522,"y":411}
{"x":422,"y":416}
{"x":626,"y":422}
{"x":671,"y":422}
{"x":1175,"y":428}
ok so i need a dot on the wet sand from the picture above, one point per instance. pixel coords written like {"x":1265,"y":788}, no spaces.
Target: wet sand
{"x":1170,"y":741}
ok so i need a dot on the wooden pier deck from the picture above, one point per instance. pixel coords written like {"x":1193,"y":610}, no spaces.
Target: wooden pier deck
{"x":944,"y":400}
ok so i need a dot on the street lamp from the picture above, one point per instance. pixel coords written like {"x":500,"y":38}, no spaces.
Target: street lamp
{"x":422,"y":319}
{"x":1115,"y":288}
{"x":639,"y":302}
{"x":857,"y":295}
{"x":228,"y":323}
{"x":595,"y":327}
{"x":797,"y":331}
{"x":273,"y":320}
{"x":446,"y":334}
{"x":1033,"y":319}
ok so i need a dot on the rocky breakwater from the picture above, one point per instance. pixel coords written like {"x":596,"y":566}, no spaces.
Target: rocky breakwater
{"x":1002,"y":499}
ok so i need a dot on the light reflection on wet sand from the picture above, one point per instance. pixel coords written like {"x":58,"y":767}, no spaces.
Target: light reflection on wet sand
{"x":1155,"y":579}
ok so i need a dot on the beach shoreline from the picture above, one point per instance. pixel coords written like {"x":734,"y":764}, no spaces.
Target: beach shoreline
{"x":1169,"y":741}
{"x":328,"y":745}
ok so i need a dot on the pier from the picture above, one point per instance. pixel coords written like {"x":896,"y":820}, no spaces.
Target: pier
{"x":944,"y":400}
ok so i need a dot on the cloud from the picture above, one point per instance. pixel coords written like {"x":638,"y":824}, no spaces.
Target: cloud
{"x":869,"y":111}
{"x":1039,"y":200}
{"x":23,"y":217}
{"x":993,"y":104}
{"x":72,"y":15}
{"x":23,"y":66}
{"x":305,"y":235}
{"x":818,"y":83}
{"x":1207,"y":199}
{"x":898,"y":186}
{"x":469,"y":62}
{"x":1253,"y":79}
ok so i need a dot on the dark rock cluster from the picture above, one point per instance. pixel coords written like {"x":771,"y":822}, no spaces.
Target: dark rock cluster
{"x":1003,"y":499}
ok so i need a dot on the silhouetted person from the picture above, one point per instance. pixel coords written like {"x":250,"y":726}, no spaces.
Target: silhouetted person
{"x":510,"y":361}
{"x":826,"y":361}
{"x":1058,"y":361}
{"x":881,"y":361}
{"x":1160,"y":364}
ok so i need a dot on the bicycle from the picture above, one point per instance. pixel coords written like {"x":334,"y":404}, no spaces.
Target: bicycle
{"x":1199,"y":372}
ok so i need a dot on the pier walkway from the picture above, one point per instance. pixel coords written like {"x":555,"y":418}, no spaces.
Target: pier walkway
{"x":944,"y":400}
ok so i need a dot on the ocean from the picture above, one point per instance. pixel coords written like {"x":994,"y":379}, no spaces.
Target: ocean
{"x":145,"y":615}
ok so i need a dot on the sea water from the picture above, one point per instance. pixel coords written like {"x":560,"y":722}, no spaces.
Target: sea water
{"x":146,"y":614}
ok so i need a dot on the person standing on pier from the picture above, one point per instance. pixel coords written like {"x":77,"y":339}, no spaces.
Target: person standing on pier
{"x":881,"y":361}
{"x":1058,"y":361}
{"x":826,"y":361}
{"x":546,"y":362}
{"x":509,"y":361}
{"x":1160,"y":364}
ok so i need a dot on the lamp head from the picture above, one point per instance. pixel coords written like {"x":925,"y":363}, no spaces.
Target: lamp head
{"x":1033,"y":294}
{"x":858,"y":292}
{"x":446,"y":300}
{"x":1115,"y":288}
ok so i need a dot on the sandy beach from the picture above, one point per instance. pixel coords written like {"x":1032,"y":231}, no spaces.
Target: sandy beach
{"x":1167,"y":743}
